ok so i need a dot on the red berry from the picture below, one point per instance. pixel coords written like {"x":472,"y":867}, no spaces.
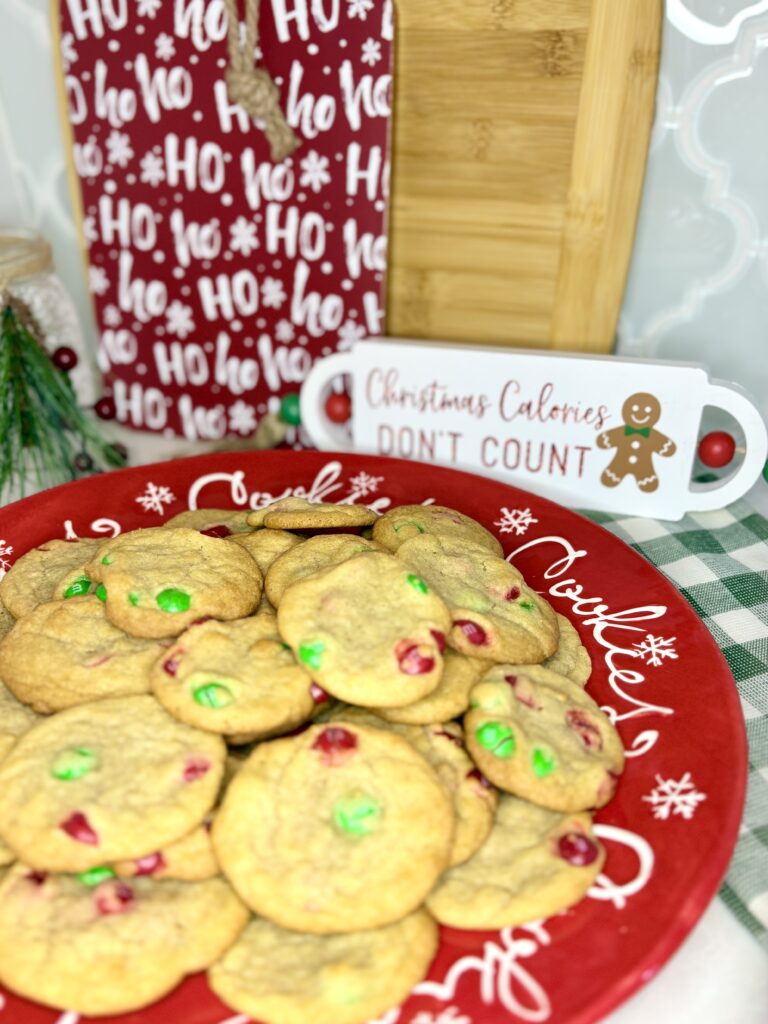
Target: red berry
{"x":450,"y":736}
{"x":217,"y":531}
{"x":318,"y":694}
{"x":474,"y":633}
{"x":479,"y":777}
{"x":585,"y":729}
{"x":439,"y":639}
{"x":522,"y":692}
{"x":64,"y":358}
{"x":79,"y":828}
{"x":150,"y":864}
{"x":512,"y":594}
{"x":576,"y":849}
{"x":105,"y":408}
{"x":716,"y":449}
{"x":196,"y":768}
{"x":335,"y":744}
{"x":114,"y":898}
{"x":411,"y":660}
{"x":171,"y":665}
{"x":338,"y":407}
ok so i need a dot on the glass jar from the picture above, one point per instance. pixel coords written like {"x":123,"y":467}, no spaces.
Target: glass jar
{"x":27,"y":275}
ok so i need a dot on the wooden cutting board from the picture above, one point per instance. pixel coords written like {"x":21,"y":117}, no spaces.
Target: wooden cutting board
{"x":520,"y":141}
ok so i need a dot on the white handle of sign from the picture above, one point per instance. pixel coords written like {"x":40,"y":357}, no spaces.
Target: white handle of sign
{"x":327,"y":436}
{"x":753,"y":425}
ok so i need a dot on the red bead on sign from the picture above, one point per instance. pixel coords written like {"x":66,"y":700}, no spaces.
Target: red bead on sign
{"x":716,"y":449}
{"x":338,"y":407}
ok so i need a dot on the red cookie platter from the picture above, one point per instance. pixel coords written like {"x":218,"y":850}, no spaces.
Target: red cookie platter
{"x":670,"y":829}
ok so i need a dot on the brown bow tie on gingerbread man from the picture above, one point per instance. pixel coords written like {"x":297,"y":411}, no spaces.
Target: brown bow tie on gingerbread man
{"x":636,"y":443}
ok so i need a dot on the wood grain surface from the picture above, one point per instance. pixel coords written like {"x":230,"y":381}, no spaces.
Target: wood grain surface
{"x":520,"y":138}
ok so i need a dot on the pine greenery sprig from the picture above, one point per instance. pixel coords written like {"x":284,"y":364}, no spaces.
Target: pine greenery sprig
{"x":42,"y":428}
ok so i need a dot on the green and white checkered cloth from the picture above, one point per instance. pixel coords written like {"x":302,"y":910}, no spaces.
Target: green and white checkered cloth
{"x":719,"y":562}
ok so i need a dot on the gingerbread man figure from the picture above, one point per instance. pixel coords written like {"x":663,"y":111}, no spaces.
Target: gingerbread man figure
{"x":636,"y":442}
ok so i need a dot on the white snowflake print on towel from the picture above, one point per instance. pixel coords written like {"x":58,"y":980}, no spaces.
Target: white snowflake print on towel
{"x":314,"y":171}
{"x":371,"y":52}
{"x":515,"y":520}
{"x":148,"y":8}
{"x":155,"y":498}
{"x":178,"y":319}
{"x":654,"y":649}
{"x":242,"y":418}
{"x":272,"y":293}
{"x":674,"y":796}
{"x":242,"y":236}
{"x":119,"y":149}
{"x":152,"y":169}
{"x":359,"y":8}
{"x":98,"y":281}
{"x":349,"y":333}
{"x":165,"y":48}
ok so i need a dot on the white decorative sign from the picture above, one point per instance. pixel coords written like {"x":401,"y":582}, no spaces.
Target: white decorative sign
{"x":606,"y":433}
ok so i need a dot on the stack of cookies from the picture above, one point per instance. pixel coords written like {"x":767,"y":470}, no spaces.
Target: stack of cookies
{"x":283,"y":746}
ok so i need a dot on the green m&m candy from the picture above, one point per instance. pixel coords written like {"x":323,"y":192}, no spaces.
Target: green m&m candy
{"x":73,"y":763}
{"x":311,"y":654}
{"x":213,"y":695}
{"x":81,"y":585}
{"x":417,"y":583}
{"x":95,"y":876}
{"x":173,"y":600}
{"x":101,"y":592}
{"x":356,"y":813}
{"x":543,"y":762}
{"x":409,"y":522}
{"x":497,"y":738}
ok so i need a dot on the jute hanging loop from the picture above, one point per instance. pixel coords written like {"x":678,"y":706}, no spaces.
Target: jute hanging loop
{"x":252,"y":87}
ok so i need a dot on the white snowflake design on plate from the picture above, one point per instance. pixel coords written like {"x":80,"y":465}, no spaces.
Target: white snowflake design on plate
{"x":371,"y":52}
{"x":654,"y":649}
{"x":178,"y":319}
{"x":314,"y":171}
{"x":98,"y":281}
{"x":155,"y":498}
{"x":242,"y":417}
{"x":349,"y":333}
{"x":5,"y":550}
{"x":359,"y":8}
{"x":164,"y":47}
{"x":152,"y":169}
{"x":674,"y":796}
{"x":364,"y":484}
{"x":272,"y":293}
{"x":119,"y":149}
{"x":242,"y":236}
{"x":148,"y":8}
{"x":515,"y":520}
{"x":284,"y":330}
{"x":68,"y":51}
{"x":450,"y":1015}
